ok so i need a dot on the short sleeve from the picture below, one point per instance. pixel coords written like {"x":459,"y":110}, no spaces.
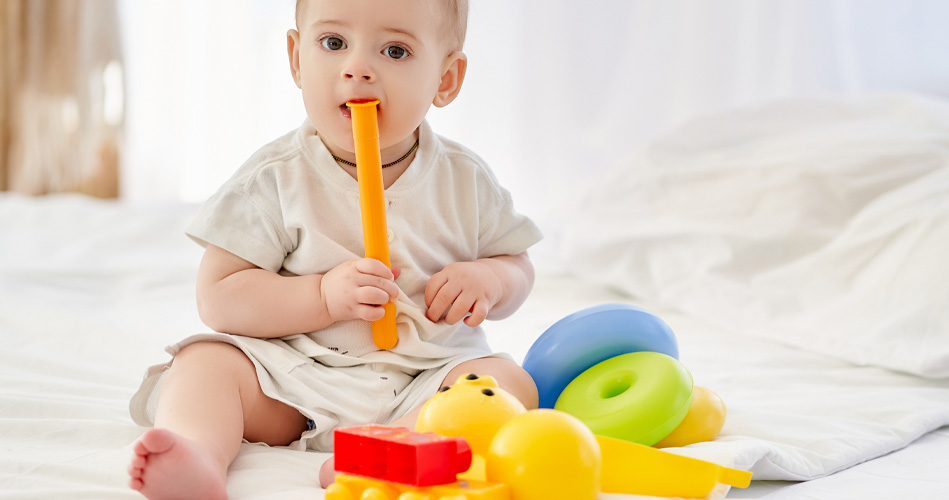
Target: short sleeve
{"x":502,"y":231}
{"x":244,"y":218}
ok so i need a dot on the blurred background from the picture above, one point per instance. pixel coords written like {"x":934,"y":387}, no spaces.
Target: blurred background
{"x":161,"y":100}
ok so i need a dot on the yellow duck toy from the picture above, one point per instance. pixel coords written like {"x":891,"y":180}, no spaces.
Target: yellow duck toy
{"x":474,"y":408}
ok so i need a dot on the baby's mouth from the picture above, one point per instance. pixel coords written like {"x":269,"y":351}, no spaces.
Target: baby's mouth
{"x":344,"y":109}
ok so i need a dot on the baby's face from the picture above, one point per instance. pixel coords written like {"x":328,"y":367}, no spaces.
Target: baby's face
{"x":370,"y":49}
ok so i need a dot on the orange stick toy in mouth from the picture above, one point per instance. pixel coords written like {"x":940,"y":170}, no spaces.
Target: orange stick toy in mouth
{"x":373,"y":206}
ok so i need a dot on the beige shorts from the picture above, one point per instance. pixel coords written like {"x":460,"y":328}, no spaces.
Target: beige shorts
{"x":329,"y":397}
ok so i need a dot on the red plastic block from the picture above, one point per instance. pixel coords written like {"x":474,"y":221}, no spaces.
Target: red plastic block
{"x":399,"y":455}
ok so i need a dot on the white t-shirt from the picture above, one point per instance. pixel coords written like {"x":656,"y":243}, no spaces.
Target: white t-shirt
{"x":291,"y":209}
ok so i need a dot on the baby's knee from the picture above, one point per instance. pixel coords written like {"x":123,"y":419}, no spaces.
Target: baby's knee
{"x":209,"y":354}
{"x":204,"y":348}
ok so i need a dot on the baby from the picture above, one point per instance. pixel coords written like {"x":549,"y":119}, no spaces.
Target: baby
{"x":284,"y":280}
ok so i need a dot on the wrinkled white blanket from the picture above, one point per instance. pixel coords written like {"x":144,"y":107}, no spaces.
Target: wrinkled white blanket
{"x":823,"y":224}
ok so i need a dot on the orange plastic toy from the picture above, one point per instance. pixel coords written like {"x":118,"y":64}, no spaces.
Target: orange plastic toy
{"x":373,"y":205}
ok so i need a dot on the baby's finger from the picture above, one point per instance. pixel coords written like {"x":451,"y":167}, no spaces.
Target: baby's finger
{"x":374,"y":267}
{"x":443,"y":300}
{"x":391,"y":289}
{"x":369,"y":313}
{"x":478,"y":314}
{"x":385,"y":285}
{"x":435,"y":283}
{"x":459,"y":308}
{"x":372,"y":296}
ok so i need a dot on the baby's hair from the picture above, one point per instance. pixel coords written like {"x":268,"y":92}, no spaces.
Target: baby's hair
{"x":455,"y":29}
{"x":457,"y":25}
{"x":301,"y":4}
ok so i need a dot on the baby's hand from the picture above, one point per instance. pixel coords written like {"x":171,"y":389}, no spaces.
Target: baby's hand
{"x":462,"y":288}
{"x":358,"y":289}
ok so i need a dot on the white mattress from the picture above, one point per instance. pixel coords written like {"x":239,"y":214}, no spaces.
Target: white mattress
{"x":91,"y":292}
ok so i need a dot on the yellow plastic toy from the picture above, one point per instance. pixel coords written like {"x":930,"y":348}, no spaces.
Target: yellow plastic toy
{"x":704,"y":421}
{"x":638,"y":469}
{"x":372,"y":205}
{"x":349,"y":487}
{"x":544,"y":455}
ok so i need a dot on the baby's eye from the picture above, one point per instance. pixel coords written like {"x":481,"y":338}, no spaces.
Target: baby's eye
{"x":396,"y":52}
{"x":333,"y":43}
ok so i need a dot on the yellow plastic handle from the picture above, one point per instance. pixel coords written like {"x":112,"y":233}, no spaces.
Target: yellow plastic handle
{"x":636,"y":469}
{"x":373,"y":205}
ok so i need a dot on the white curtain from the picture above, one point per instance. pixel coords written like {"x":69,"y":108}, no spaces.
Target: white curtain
{"x":61,"y":97}
{"x":557,"y":90}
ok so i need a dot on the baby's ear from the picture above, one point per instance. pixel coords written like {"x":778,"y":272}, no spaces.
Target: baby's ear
{"x":293,"y":52}
{"x":453,"y":75}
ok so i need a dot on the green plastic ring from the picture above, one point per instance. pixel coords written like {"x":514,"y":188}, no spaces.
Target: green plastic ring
{"x":640,"y":397}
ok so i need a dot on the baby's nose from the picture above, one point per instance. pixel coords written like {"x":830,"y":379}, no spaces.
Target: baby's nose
{"x":359,"y":69}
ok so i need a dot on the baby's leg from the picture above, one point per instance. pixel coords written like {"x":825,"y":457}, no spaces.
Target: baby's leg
{"x":510,"y":376}
{"x":210,"y":400}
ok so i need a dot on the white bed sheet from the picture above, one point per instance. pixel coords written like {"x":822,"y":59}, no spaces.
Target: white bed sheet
{"x":91,"y":291}
{"x":915,"y":472}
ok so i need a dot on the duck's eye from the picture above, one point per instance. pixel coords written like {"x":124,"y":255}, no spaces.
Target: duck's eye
{"x":487,"y":392}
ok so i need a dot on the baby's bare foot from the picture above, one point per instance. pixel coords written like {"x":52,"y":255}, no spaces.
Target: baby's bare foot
{"x":166,"y":466}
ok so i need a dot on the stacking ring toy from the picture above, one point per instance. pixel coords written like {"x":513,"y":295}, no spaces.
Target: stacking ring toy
{"x":640,"y":397}
{"x":588,"y":337}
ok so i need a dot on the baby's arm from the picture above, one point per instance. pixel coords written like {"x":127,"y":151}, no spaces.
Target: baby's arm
{"x":235,"y":296}
{"x":491,"y":288}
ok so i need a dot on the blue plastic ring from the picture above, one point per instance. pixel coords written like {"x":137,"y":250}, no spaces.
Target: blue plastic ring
{"x":589,"y":336}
